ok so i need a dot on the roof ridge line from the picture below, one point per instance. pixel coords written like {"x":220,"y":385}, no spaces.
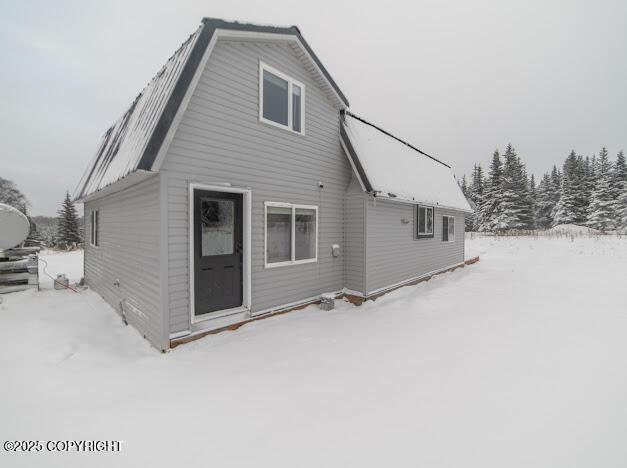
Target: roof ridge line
{"x":396,"y":138}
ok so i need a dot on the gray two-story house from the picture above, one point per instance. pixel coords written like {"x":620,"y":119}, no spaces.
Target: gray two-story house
{"x":238,"y":184}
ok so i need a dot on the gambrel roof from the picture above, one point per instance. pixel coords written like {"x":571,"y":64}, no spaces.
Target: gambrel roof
{"x":132,"y":146}
{"x":388,"y":166}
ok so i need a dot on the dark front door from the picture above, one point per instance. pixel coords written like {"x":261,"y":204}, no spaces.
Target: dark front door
{"x":217,"y":251}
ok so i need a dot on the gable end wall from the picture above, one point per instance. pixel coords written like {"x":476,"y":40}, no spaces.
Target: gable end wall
{"x":221,"y":140}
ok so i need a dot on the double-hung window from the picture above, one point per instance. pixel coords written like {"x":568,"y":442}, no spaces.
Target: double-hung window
{"x":281,"y":100}
{"x":424,"y":221}
{"x":93,"y":228}
{"x":448,"y":228}
{"x":291,"y":234}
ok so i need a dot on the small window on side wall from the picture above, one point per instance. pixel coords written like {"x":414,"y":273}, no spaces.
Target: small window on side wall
{"x":424,"y":221}
{"x":281,"y":100}
{"x":448,"y":228}
{"x":93,"y":228}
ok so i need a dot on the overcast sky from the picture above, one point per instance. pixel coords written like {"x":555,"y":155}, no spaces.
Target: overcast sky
{"x":456,"y":78}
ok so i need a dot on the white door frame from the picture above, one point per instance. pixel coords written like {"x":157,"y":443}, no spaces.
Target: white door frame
{"x":246,"y":271}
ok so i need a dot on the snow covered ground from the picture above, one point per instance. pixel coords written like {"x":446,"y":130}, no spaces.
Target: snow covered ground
{"x":519,"y":360}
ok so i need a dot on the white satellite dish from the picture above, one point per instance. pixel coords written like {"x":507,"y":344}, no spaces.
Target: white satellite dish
{"x":14,"y":226}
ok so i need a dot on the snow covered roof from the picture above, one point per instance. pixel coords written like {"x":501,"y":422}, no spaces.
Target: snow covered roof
{"x":388,"y":166}
{"x":126,"y":142}
{"x":132,"y":143}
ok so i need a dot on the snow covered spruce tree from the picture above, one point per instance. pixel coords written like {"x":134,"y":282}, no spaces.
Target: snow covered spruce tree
{"x":545,"y":202}
{"x":474,"y":194}
{"x":533,"y":198}
{"x":621,"y":210}
{"x":619,"y":189}
{"x":68,"y":230}
{"x":619,"y":175}
{"x":491,"y":214}
{"x":464,"y":186}
{"x":516,"y":201}
{"x":509,"y":199}
{"x":573,"y":203}
{"x":469,"y":218}
{"x":601,"y":212}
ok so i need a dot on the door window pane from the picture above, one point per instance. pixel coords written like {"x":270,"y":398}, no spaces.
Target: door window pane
{"x":296,"y":109}
{"x":275,"y":97}
{"x":305,"y":233}
{"x":279,"y":234}
{"x":217,"y":218}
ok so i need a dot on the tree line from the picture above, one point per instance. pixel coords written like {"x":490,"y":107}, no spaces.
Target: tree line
{"x":65,"y":231}
{"x":588,"y":191}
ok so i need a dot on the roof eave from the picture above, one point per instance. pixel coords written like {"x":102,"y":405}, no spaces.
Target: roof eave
{"x":125,"y":182}
{"x":388,"y":196}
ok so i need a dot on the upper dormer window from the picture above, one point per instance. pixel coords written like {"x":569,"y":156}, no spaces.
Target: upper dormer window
{"x":281,"y":99}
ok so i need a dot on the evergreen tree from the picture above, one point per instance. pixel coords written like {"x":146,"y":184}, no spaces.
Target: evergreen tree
{"x":582,"y":201}
{"x":533,"y":196}
{"x":619,"y":175}
{"x":564,"y":211}
{"x":464,"y":186}
{"x":545,"y":202}
{"x":588,"y":183}
{"x":491,"y":214}
{"x":516,"y":200}
{"x":619,"y":188}
{"x":475,"y":196}
{"x":477,"y":184}
{"x":602,"y":205}
{"x":556,"y":181}
{"x":572,"y":205}
{"x":468,"y":218}
{"x":68,"y":231}
{"x":578,"y":194}
{"x":621,"y":209}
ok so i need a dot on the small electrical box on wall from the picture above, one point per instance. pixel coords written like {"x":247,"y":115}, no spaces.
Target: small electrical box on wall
{"x":335,"y":250}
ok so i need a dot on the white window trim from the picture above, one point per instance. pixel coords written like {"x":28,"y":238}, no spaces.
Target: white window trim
{"x":290,"y":82}
{"x":449,"y":223}
{"x":93,"y":228}
{"x":425,"y":233}
{"x":293,"y":261}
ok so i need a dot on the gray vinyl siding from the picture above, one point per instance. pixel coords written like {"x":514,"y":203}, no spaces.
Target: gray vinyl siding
{"x":355,"y":238}
{"x":129,"y":241}
{"x":221,"y":140}
{"x":393,"y":254}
